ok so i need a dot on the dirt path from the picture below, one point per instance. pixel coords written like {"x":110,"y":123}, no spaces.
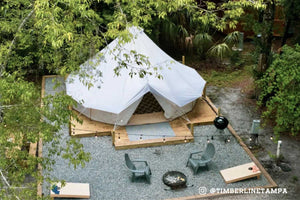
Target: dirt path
{"x":240,"y":111}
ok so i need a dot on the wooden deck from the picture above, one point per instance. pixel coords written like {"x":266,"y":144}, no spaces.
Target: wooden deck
{"x":182,"y":134}
{"x":89,"y":127}
{"x":201,"y":114}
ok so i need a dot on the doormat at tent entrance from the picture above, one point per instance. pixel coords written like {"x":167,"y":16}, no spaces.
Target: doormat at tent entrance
{"x":149,"y":131}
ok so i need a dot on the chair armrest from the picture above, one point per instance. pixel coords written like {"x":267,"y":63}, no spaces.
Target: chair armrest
{"x":139,"y":170}
{"x":204,"y":161}
{"x":195,"y":152}
{"x":144,"y":161}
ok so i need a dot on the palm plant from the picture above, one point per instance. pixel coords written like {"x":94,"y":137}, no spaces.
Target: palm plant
{"x":174,"y":30}
{"x":179,"y":32}
{"x":224,"y":48}
{"x":202,"y":43}
{"x":219,"y":50}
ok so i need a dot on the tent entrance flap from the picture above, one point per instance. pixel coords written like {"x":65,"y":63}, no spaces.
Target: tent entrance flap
{"x":149,"y":104}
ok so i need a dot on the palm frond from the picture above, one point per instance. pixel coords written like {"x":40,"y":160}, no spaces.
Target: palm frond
{"x":182,"y":31}
{"x":219,"y":50}
{"x":170,"y":30}
{"x":202,"y":38}
{"x":232,"y":38}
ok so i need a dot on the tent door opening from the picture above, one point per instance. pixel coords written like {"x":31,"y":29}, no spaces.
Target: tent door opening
{"x":149,"y":104}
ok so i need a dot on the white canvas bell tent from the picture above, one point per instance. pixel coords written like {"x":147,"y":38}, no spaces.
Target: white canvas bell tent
{"x":113,"y":99}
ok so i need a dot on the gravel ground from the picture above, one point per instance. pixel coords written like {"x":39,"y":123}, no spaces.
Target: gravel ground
{"x":241,"y":110}
{"x":110,"y":179}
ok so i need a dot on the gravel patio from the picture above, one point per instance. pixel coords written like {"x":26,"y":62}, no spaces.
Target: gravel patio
{"x":110,"y":179}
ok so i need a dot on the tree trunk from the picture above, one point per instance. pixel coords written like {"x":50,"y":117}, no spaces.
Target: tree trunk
{"x":288,"y":18}
{"x":286,"y":32}
{"x":266,"y":36}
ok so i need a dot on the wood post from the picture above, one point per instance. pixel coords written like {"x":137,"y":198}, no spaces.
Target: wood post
{"x":113,"y":137}
{"x":183,"y":60}
{"x":192,"y":129}
{"x":204,"y":91}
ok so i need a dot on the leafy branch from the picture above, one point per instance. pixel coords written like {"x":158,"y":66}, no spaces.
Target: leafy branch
{"x":2,"y":68}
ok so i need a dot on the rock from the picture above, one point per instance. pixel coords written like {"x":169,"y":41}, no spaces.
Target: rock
{"x":285,"y":167}
{"x":157,"y":152}
{"x":276,"y":169}
{"x":267,"y":163}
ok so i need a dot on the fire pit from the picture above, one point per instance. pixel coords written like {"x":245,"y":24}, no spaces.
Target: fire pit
{"x":174,"y":179}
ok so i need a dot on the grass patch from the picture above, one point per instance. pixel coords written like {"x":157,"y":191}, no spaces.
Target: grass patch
{"x":227,"y":77}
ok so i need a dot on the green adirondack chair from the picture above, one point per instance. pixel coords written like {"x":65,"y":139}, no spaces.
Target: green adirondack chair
{"x":142,"y":171}
{"x":197,"y":163}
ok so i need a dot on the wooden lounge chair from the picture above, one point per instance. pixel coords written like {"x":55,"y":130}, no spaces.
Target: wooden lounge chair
{"x":196,"y":163}
{"x":144,"y":171}
{"x":71,"y":190}
{"x":240,"y":172}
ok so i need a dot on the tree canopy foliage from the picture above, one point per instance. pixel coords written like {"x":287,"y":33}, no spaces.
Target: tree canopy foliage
{"x":281,"y":91}
{"x":58,"y":35}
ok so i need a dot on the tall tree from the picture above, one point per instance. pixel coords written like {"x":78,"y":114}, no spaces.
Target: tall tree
{"x":266,"y":36}
{"x":291,"y":12}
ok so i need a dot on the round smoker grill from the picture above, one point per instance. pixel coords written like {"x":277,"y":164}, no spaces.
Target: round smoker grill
{"x":174,"y":179}
{"x":220,"y":122}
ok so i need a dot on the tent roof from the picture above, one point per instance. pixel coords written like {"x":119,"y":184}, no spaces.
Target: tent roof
{"x":111,"y":93}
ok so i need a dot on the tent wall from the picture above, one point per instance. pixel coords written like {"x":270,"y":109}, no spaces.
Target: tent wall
{"x":171,"y":110}
{"x":82,"y":110}
{"x":107,"y":117}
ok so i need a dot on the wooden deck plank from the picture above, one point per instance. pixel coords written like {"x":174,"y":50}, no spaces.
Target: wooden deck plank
{"x":202,"y":113}
{"x":32,"y":149}
{"x":151,"y":143}
{"x":89,"y":127}
{"x":182,"y":135}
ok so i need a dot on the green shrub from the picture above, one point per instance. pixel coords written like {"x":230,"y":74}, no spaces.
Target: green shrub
{"x":294,"y":179}
{"x":280,"y":91}
{"x":236,"y":59}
